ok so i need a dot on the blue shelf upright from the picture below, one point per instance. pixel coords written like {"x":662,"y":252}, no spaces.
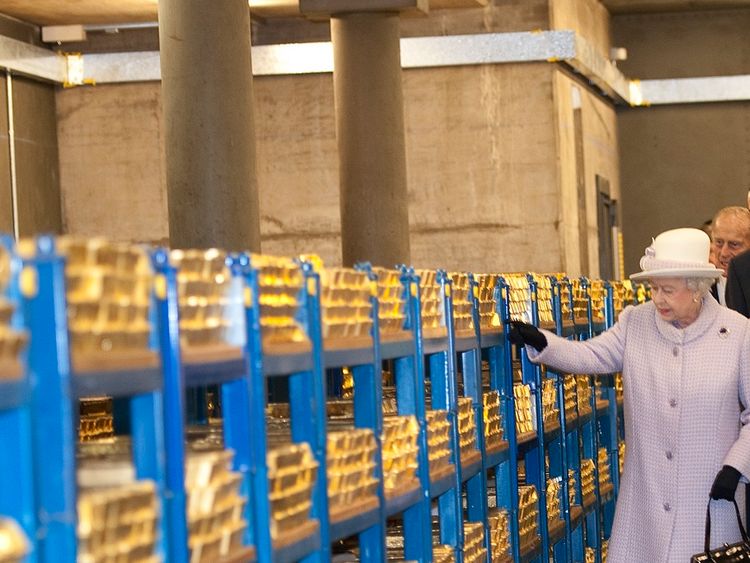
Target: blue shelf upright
{"x":401,"y":344}
{"x":362,"y":355}
{"x":189,"y":367}
{"x":299,"y":360}
{"x":58,"y":379}
{"x":16,"y":485}
{"x":500,"y":458}
{"x":439,"y":352}
{"x":566,"y":453}
{"x":585,"y":328}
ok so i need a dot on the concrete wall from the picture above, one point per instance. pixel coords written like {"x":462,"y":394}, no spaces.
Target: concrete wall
{"x":681,"y":163}
{"x":110,"y":162}
{"x":37,"y":164}
{"x":583,"y":154}
{"x":481,"y":165}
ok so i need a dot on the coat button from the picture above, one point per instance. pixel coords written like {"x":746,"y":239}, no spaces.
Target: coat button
{"x":673,"y":403}
{"x":675,"y":351}
{"x":669,"y":455}
{"x":667,"y":507}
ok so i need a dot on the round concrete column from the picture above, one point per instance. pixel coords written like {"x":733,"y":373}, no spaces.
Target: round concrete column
{"x":370,"y":134}
{"x":209,"y":128}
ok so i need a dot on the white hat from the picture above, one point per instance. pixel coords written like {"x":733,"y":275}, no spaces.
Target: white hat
{"x":678,"y":253}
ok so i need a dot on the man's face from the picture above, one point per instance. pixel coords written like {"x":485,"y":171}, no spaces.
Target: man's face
{"x":729,"y":238}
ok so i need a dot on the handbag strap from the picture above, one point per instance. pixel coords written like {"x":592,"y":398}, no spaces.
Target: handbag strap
{"x":707,"y":543}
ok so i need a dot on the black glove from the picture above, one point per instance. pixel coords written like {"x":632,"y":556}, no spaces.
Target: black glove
{"x":725,"y":484}
{"x":524,"y":333}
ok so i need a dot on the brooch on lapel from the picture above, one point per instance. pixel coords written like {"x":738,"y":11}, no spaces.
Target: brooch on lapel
{"x":723,"y":332}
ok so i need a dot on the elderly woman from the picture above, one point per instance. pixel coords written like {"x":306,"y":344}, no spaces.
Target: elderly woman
{"x":686,"y":370}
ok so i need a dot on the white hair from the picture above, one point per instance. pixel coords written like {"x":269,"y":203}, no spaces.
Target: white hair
{"x":700,"y":285}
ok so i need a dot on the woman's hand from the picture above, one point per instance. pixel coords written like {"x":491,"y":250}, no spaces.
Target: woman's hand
{"x":524,"y":333}
{"x":725,"y":484}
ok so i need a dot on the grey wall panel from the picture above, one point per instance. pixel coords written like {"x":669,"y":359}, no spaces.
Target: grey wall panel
{"x":37,"y":162}
{"x":679,"y":165}
{"x":6,"y":198}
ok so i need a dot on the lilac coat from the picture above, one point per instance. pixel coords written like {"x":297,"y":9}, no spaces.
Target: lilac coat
{"x":683,"y":389}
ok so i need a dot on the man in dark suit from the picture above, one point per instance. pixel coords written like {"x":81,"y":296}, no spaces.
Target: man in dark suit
{"x":730,"y":236}
{"x":738,"y":284}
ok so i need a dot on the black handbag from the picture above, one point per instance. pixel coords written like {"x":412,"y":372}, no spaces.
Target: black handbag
{"x":734,"y":553}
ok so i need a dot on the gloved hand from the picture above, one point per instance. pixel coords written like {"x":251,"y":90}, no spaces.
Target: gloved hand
{"x":524,"y":333}
{"x":725,"y":484}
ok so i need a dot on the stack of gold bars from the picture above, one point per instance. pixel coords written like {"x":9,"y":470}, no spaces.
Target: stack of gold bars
{"x":443,"y":554}
{"x":524,"y":417}
{"x":438,"y":440}
{"x":619,"y":389}
{"x":528,"y":512}
{"x":467,"y":427}
{"x":587,"y":478}
{"x":117,"y":523}
{"x":432,"y":300}
{"x":570,"y":397}
{"x":580,"y":302}
{"x":598,"y":297}
{"x":12,"y":341}
{"x":351,"y":467}
{"x":544,"y":299}
{"x":292,"y":471}
{"x":345,"y":303}
{"x":605,"y":549}
{"x":621,"y":455}
{"x":584,"y":392}
{"x":474,"y":550}
{"x":550,"y":410}
{"x":628,"y":293}
{"x":605,"y":479}
{"x":391,"y":301}
{"x":499,"y":524}
{"x":400,"y":449}
{"x":462,"y":306}
{"x":618,"y":297}
{"x":590,"y":555}
{"x":203,"y":284}
{"x":280,"y":283}
{"x":554,"y":490}
{"x":215,"y":509}
{"x":14,"y":546}
{"x":572,"y":481}
{"x":565,"y":301}
{"x":519,"y":298}
{"x":493,"y":420}
{"x":108,"y":294}
{"x":488,"y":316}
{"x":95,"y":420}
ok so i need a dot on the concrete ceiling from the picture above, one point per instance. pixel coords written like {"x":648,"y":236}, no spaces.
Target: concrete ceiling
{"x":64,"y":12}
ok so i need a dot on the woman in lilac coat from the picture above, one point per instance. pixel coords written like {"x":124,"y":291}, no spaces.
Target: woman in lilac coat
{"x":685,"y":361}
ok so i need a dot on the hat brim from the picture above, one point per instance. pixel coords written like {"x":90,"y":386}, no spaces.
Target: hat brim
{"x":678,"y":273}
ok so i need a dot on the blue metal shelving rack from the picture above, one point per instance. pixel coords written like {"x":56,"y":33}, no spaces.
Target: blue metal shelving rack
{"x":302,"y":366}
{"x":440,"y":356}
{"x":495,"y":348}
{"x":55,"y":388}
{"x":408,"y":368}
{"x":465,"y":347}
{"x":16,"y":489}
{"x":186,"y":369}
{"x":364,"y":361}
{"x":565,"y":454}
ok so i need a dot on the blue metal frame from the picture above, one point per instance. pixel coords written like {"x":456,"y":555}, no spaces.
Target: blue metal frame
{"x":53,"y":400}
{"x":16,"y":489}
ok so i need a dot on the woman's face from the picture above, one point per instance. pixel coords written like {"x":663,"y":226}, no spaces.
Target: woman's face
{"x":674,"y":301}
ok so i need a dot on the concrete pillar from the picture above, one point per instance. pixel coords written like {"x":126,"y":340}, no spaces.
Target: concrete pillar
{"x":370,"y":134}
{"x":209,"y":131}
